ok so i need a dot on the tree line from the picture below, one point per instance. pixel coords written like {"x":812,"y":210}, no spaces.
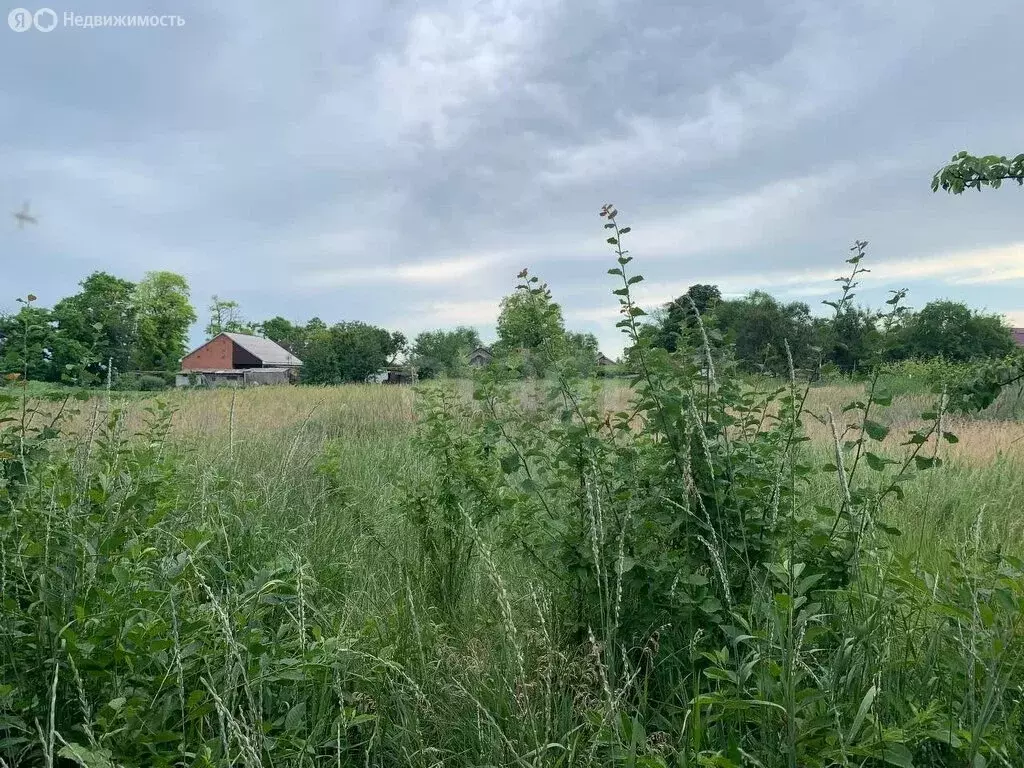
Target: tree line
{"x":114,"y":325}
{"x":759,"y":327}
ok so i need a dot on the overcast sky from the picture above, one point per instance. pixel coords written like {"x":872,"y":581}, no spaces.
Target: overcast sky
{"x":399,"y":162}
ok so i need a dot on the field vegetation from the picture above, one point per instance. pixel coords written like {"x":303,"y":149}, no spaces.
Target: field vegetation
{"x":694,"y":566}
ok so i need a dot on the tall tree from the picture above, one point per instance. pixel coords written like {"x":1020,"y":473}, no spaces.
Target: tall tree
{"x":851,"y":340}
{"x":348,"y":352}
{"x":760,"y":327}
{"x":103,"y":319}
{"x":165,"y":314}
{"x":677,"y":317}
{"x":443,"y":352}
{"x":226,"y":317}
{"x":26,"y":340}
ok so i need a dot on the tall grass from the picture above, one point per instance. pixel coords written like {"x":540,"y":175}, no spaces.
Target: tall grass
{"x":557,"y":574}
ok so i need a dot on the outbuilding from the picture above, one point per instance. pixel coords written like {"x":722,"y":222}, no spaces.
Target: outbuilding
{"x":238,"y":359}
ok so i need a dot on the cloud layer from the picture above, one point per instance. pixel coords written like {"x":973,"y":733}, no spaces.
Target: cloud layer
{"x":400,"y":163}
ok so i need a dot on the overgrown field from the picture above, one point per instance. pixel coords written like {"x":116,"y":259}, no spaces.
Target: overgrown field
{"x":689,"y":569}
{"x":308,"y":577}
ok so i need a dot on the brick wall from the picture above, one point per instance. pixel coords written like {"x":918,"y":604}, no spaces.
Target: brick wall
{"x":217,"y":354}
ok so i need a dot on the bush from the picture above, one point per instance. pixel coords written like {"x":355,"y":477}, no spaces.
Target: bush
{"x":151,"y":383}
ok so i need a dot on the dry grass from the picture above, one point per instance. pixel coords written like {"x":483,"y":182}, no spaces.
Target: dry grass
{"x":981,"y":441}
{"x":365,"y":410}
{"x":258,"y":411}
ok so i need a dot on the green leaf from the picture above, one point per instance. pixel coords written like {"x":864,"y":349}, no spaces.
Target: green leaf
{"x":613,"y":241}
{"x":88,"y":758}
{"x":898,"y":754}
{"x":875,"y":430}
{"x":295,"y":715}
{"x":950,"y":437}
{"x":862,"y":712}
{"x":927,"y":462}
{"x":875,"y":461}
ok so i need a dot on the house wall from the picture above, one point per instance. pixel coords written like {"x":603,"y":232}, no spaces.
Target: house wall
{"x":216,"y":353}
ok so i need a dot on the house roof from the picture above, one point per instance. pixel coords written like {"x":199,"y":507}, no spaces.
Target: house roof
{"x":1018,"y":335}
{"x":269,"y":352}
{"x":481,"y":350}
{"x":233,"y":371}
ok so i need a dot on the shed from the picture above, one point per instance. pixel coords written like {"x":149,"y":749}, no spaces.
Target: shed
{"x":234,"y":377}
{"x":393,"y":374}
{"x":480,"y":357}
{"x":603,"y":361}
{"x":1018,"y":336}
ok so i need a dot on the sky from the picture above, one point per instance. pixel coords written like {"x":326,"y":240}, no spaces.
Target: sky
{"x":400,"y":162}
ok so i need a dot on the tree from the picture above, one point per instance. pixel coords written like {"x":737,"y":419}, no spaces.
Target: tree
{"x":969,"y":172}
{"x":951,"y":330}
{"x":165,"y":314}
{"x":760,"y":327}
{"x":677,"y":317}
{"x":582,"y":349}
{"x":531,"y":331}
{"x":226,"y":317}
{"x":443,"y":352}
{"x":851,"y":340}
{"x":349,"y":352}
{"x":291,"y":336}
{"x":102,"y":319}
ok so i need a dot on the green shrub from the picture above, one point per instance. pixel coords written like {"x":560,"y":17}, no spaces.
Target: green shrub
{"x":151,"y":383}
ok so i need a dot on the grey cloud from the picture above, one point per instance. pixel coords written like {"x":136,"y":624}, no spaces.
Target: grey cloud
{"x":259,"y":147}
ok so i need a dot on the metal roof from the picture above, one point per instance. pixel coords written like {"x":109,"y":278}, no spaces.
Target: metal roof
{"x":233,"y":371}
{"x":269,"y":352}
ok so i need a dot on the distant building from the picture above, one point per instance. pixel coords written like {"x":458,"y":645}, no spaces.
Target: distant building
{"x":1018,"y":336}
{"x":480,"y":357}
{"x":235,"y":377}
{"x":393,"y":374}
{"x":603,"y":361}
{"x":237,"y":359}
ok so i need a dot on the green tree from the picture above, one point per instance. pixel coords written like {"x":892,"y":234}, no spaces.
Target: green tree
{"x":291,"y":336}
{"x":582,"y":349}
{"x":226,"y":317}
{"x":851,"y":340}
{"x":760,"y":327}
{"x":531,"y":331}
{"x":349,"y":352}
{"x":103,"y":319}
{"x":677,"y":317}
{"x":969,"y":172}
{"x":953,"y":331}
{"x":165,"y":314}
{"x":443,"y":352}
